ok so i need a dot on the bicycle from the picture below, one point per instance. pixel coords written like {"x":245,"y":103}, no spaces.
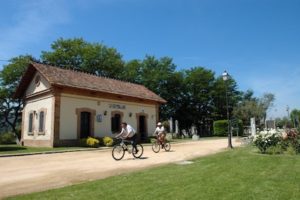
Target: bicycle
{"x":119,"y":149}
{"x":157,"y":145}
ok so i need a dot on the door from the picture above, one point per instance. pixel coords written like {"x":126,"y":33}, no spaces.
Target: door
{"x":85,"y":124}
{"x":116,"y":123}
{"x":142,"y":127}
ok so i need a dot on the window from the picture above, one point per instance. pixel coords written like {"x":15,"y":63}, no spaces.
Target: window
{"x":42,"y":121}
{"x":116,"y":123}
{"x":30,"y":125}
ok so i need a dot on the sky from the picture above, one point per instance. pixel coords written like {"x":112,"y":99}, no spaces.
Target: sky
{"x":256,"y":41}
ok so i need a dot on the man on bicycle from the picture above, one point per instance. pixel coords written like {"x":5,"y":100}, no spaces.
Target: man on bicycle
{"x":128,"y":133}
{"x":160,"y":133}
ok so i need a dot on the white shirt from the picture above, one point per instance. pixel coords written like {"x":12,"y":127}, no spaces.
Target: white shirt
{"x":160,"y":130}
{"x":128,"y":130}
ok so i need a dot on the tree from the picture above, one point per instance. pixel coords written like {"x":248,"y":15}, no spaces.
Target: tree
{"x":199,"y":83}
{"x":80,"y":55}
{"x":284,"y":122}
{"x":295,"y":117}
{"x":219,"y":97}
{"x":156,"y":74}
{"x":265,"y":103}
{"x":251,"y":106}
{"x":10,"y":77}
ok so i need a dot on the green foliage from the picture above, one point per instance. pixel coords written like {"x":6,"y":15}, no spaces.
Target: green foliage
{"x":220,"y":128}
{"x":10,"y":77}
{"x":7,"y":138}
{"x":81,"y":55}
{"x":166,"y":125}
{"x":273,"y":150}
{"x":295,"y":118}
{"x":263,"y":141}
{"x":219,"y":97}
{"x":82,"y":142}
{"x":291,"y":138}
{"x":291,"y":150}
{"x":250,"y":107}
{"x":195,"y":96}
{"x":157,"y":74}
{"x":282,"y":122}
{"x":108,"y":141}
{"x":275,"y":142}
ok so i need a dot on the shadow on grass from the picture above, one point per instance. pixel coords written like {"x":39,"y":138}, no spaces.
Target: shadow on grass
{"x":12,"y":148}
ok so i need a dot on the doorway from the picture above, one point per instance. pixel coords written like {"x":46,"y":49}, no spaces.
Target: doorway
{"x":142,"y":127}
{"x":85,"y":124}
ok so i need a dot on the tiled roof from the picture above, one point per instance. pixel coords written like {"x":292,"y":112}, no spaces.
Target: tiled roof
{"x":81,"y":80}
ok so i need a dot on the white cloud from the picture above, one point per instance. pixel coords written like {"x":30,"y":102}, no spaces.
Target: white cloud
{"x":32,"y":21}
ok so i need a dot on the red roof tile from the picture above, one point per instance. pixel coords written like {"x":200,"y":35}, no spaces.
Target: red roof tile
{"x":81,"y":80}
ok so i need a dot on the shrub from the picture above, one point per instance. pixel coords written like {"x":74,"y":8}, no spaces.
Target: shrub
{"x":276,"y":143}
{"x":265,"y":140}
{"x":291,"y":150}
{"x":220,"y":128}
{"x":89,"y":142}
{"x":291,"y":138}
{"x":108,"y":141}
{"x":82,"y":142}
{"x":166,"y":124}
{"x":92,"y":142}
{"x":7,"y":138}
{"x":277,"y":149}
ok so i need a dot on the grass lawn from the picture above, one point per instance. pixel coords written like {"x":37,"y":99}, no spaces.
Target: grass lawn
{"x":241,"y":173}
{"x":16,"y":149}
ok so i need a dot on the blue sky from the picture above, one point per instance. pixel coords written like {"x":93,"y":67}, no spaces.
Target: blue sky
{"x":256,"y":41}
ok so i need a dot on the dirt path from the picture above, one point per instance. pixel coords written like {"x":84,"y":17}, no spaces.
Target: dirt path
{"x":27,"y":174}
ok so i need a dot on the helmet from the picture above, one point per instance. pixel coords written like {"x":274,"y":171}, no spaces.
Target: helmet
{"x":159,"y":124}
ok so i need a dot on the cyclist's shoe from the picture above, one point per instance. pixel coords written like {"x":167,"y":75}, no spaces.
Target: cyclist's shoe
{"x":136,"y":151}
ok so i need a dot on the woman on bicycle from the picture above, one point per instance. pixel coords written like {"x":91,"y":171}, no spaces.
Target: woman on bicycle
{"x":160,"y":133}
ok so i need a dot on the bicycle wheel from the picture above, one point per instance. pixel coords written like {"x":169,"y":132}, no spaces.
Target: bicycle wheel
{"x":155,"y":147}
{"x":140,"y":151}
{"x":167,"y":146}
{"x":118,"y":152}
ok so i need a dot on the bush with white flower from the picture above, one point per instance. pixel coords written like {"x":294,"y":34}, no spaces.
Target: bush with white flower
{"x":267,"y":139}
{"x":276,"y":142}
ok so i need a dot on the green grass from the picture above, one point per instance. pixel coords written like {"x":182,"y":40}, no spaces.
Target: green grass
{"x":241,"y":173}
{"x":16,"y":149}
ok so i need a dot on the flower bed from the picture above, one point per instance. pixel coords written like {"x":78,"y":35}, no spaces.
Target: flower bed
{"x":275,"y":142}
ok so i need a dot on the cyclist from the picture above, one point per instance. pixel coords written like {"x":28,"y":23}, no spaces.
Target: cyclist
{"x":128,"y":133}
{"x":160,"y":133}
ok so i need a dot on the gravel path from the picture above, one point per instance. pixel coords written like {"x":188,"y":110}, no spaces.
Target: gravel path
{"x":27,"y":174}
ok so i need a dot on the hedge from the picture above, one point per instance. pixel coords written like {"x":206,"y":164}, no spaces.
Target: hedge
{"x":221,"y":128}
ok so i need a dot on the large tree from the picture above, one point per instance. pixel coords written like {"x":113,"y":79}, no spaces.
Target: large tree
{"x":81,"y":55}
{"x":157,"y":74}
{"x":219,"y":97}
{"x":251,"y":106}
{"x":9,"y":80}
{"x":199,"y":83}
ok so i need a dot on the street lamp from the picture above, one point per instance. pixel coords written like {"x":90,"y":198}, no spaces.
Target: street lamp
{"x":226,"y":77}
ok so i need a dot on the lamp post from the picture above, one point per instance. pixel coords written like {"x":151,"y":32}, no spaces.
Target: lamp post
{"x":226,"y":76}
